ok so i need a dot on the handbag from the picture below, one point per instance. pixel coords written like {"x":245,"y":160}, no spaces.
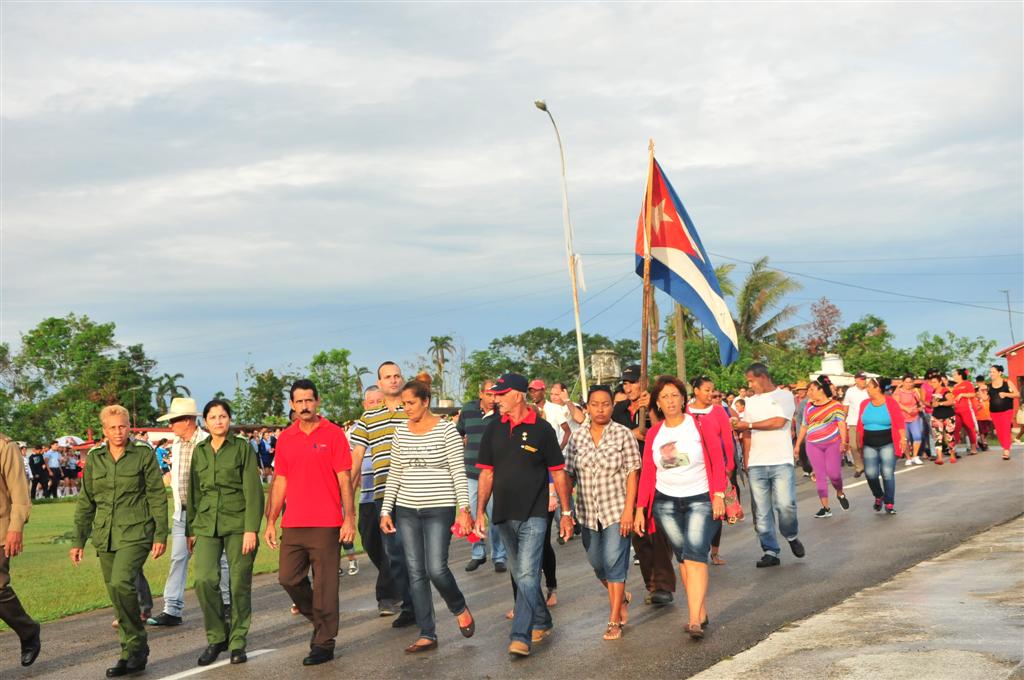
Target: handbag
{"x":733,"y":508}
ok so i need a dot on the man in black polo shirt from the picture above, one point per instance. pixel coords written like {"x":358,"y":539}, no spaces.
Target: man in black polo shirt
{"x":518,"y":454}
{"x":652,"y":549}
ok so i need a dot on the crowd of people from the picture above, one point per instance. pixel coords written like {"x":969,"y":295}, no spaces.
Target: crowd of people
{"x":642,"y":475}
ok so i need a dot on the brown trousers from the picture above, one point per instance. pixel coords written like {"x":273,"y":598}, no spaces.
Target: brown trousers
{"x":11,"y":611}
{"x":316,"y":547}
{"x":655,"y":561}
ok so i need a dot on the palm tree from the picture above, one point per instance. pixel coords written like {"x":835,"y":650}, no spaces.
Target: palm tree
{"x":441,"y":346}
{"x":360,"y":372}
{"x":723,"y":273}
{"x":167,"y":388}
{"x":763,"y":291}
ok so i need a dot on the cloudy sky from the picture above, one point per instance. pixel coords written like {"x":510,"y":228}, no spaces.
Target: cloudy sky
{"x":236,"y":183}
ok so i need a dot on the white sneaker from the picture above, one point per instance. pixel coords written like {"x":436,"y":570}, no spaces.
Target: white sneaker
{"x":918,"y":461}
{"x":908,"y":462}
{"x":353,"y":568}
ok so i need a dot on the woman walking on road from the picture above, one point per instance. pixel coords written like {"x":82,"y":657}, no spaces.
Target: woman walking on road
{"x":882,"y":429}
{"x":825,"y":431}
{"x":682,"y":488}
{"x":943,"y":420}
{"x":910,"y":402}
{"x":223,"y":515}
{"x":963,"y":398}
{"x":714,"y":423}
{"x":604,"y":463}
{"x":426,"y":482}
{"x":1001,"y":393}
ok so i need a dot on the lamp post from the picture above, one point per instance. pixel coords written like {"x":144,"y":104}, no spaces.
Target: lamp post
{"x":1009,"y":314}
{"x":569,"y":252}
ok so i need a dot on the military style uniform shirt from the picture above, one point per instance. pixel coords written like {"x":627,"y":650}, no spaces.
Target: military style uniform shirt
{"x":14,"y":501}
{"x":225,"y":495}
{"x":122,"y":503}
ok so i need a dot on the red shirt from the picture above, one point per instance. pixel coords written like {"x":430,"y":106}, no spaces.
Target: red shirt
{"x":311,"y":463}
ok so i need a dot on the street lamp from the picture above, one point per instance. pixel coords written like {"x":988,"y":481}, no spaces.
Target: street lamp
{"x":569,"y":252}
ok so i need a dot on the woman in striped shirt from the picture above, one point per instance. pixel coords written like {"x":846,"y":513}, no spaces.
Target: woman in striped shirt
{"x":825,"y":430}
{"x":426,"y":482}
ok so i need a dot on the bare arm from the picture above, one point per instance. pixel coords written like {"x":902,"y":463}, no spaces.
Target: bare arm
{"x":566,"y":433}
{"x":348,"y":526}
{"x":275,"y":502}
{"x":483,"y":494}
{"x":563,"y":489}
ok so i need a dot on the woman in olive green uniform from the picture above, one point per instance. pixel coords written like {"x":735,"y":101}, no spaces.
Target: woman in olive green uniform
{"x":224,"y":511}
{"x":123,"y":508}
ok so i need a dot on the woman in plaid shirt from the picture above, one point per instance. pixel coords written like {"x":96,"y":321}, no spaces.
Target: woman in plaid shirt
{"x":603,"y":461}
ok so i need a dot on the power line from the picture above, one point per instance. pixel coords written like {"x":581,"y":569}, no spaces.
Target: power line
{"x":853,"y":259}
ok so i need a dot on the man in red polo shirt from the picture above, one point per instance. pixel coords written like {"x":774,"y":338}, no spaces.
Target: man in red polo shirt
{"x":312,"y":466}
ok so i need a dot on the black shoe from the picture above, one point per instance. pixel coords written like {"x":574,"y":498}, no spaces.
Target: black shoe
{"x":30,"y":648}
{"x":474,"y":563}
{"x":211,"y":653}
{"x":823,"y":512}
{"x":844,"y":502}
{"x":561,"y":541}
{"x":403,"y":620}
{"x":768,"y":561}
{"x":137,"y":662}
{"x":317,"y":656}
{"x":878,"y":505}
{"x":238,"y":656}
{"x":118,"y":670}
{"x":797,"y":547}
{"x":164,"y":619}
{"x":500,"y":567}
{"x":387,"y":608}
{"x":661,"y":597}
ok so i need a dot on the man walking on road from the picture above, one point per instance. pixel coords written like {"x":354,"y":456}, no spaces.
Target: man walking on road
{"x":473,"y":421}
{"x":854,"y":397}
{"x":15,"y":507}
{"x":187,"y":435}
{"x":768,"y":422}
{"x":517,"y":455}
{"x":312,"y":465}
{"x":372,"y":436}
{"x":652,"y":550}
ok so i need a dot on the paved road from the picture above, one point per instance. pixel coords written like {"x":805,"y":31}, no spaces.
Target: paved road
{"x":940,"y":507}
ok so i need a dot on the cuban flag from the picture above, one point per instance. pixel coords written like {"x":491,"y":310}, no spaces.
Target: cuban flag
{"x":680,"y":266}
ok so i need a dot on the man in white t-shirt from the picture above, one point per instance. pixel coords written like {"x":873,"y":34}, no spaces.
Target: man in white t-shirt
{"x":767,"y":422}
{"x":855,"y":396}
{"x":557,"y":415}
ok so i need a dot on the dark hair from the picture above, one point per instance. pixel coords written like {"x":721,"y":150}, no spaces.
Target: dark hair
{"x":699,"y":381}
{"x":386,"y":363}
{"x":161,"y":442}
{"x":597,"y":388}
{"x":824,"y":384}
{"x":418,"y":388}
{"x":998,"y":367}
{"x":758,"y":370}
{"x":661,"y":383}
{"x":303,"y":384}
{"x":979,"y":378}
{"x":962,"y":372}
{"x":566,"y":387}
{"x":223,"y":404}
{"x":740,"y":400}
{"x":619,"y":389}
{"x":908,"y":375}
{"x":53,"y":442}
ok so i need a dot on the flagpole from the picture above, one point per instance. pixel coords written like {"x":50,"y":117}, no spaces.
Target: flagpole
{"x":680,"y":326}
{"x":569,"y":254}
{"x":648,"y":293}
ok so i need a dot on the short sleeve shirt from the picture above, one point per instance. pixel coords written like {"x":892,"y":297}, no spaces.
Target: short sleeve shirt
{"x":310,"y":463}
{"x":556,"y":414}
{"x":522,"y":455}
{"x":374,"y":431}
{"x":855,"y":396}
{"x":770,"y":447}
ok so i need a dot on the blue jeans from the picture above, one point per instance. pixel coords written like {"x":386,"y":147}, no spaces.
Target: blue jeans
{"x":608,"y":553}
{"x":426,"y":535}
{"x":396,"y":562}
{"x":773,"y":489}
{"x":524,"y":541}
{"x":881,"y":460}
{"x":174,"y":589}
{"x":480,"y":547}
{"x":688,"y":523}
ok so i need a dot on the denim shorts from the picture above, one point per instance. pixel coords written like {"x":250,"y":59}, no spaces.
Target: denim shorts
{"x":688,"y":524}
{"x":608,"y":553}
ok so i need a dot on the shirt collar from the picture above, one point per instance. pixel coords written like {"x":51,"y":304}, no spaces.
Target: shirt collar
{"x":529,"y":419}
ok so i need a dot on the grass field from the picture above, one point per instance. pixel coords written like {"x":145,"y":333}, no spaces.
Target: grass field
{"x":50,"y":587}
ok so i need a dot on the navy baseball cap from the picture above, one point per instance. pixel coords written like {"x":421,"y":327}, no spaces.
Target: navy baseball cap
{"x":631,"y":374}
{"x":509,"y":382}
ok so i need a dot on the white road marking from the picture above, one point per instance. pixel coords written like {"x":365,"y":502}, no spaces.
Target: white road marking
{"x":906,"y":469}
{"x":223,"y":662}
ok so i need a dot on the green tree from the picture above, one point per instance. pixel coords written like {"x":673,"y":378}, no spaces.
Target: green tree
{"x":759,"y":319}
{"x":262,"y":398}
{"x":360,"y":372}
{"x":167,"y":388}
{"x":65,"y":371}
{"x":338,"y":384}
{"x":441,"y":347}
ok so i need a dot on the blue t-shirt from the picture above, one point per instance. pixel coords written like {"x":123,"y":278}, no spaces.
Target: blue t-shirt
{"x":52,"y":458}
{"x":876,"y":418}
